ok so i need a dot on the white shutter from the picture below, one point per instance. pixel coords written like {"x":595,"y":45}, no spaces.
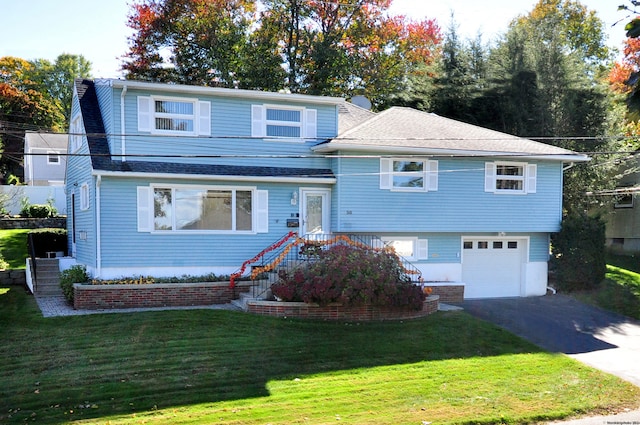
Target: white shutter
{"x":144,"y":209}
{"x":432,"y":180}
{"x":532,"y":176}
{"x":489,"y":177}
{"x":262,"y":211}
{"x":204,"y":118}
{"x":258,"y":119}
{"x":423,"y":249}
{"x":385,"y":173}
{"x":310,"y":123}
{"x":145,"y":113}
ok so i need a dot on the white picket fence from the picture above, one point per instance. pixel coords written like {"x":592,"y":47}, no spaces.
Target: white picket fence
{"x":34,"y":195}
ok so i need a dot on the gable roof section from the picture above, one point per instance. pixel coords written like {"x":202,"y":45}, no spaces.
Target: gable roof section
{"x":50,"y":141}
{"x":401,"y":130}
{"x":103,"y":163}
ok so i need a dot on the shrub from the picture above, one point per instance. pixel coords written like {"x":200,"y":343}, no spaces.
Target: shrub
{"x":579,"y":252}
{"x":352,"y":276}
{"x":74,"y":274}
{"x":38,"y":211}
{"x":42,"y":241}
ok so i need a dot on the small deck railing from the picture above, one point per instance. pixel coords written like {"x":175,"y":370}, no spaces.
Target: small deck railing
{"x":293,"y":251}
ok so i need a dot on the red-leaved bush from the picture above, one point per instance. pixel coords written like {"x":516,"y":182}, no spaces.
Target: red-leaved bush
{"x":351,"y":276}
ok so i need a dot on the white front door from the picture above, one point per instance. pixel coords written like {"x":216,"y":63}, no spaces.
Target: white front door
{"x":314,"y":211}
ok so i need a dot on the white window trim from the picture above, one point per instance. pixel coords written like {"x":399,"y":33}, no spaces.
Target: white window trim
{"x":259,"y":209}
{"x":147,"y":115}
{"x":52,"y":154}
{"x":420,"y":246}
{"x":84,"y":197}
{"x":621,"y":202}
{"x":429,"y":175}
{"x":307,"y":124}
{"x":529,"y":178}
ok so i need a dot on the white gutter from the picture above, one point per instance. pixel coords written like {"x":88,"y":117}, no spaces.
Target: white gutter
{"x":123,"y":144}
{"x":571,"y":165}
{"x":98,"y":233}
{"x":318,"y":180}
{"x":399,"y":150}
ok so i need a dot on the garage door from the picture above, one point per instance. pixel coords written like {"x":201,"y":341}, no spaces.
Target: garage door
{"x":492,"y":267}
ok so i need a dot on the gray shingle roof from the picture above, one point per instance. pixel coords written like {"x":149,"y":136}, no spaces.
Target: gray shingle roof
{"x":401,"y":128}
{"x":351,"y":115}
{"x":101,"y":159}
{"x":53,"y":141}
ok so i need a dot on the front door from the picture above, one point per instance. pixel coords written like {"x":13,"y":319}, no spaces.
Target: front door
{"x":314,"y":211}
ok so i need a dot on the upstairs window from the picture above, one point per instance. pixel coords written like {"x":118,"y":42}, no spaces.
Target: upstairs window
{"x":624,"y":197}
{"x":53,"y":158}
{"x":411,"y":175}
{"x":283,"y":122}
{"x":510,"y":177}
{"x":164,"y":115}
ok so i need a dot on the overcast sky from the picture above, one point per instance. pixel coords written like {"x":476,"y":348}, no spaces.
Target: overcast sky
{"x":96,"y":29}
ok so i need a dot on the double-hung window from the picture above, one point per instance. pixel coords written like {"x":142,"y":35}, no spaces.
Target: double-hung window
{"x":174,"y":116}
{"x":510,"y":177}
{"x":409,"y":248}
{"x":275,"y":121}
{"x":407,"y":174}
{"x":202,"y":209}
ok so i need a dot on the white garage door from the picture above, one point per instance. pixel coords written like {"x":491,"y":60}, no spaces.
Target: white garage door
{"x":492,"y":267}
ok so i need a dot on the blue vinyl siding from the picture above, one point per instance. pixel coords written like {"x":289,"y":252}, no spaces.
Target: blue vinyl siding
{"x":124,"y":246}
{"x":459,"y":205}
{"x":110,"y":109}
{"x":230,"y":135}
{"x":78,"y":172}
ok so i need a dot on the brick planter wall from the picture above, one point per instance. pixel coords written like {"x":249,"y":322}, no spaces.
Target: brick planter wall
{"x":449,"y":292}
{"x":105,"y":297}
{"x":338,"y":311}
{"x":13,"y":277}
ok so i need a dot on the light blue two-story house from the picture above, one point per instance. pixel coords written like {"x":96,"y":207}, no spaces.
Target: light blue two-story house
{"x":166,"y":180}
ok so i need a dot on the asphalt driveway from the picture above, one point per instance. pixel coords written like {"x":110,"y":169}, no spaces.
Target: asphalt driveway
{"x":558,"y":323}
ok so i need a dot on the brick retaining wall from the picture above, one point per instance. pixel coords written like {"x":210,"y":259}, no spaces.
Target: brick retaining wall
{"x":104,"y":297}
{"x":13,"y":277}
{"x":338,"y":311}
{"x":449,"y":292}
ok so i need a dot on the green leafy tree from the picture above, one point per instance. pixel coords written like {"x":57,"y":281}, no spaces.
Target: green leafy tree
{"x":305,"y":46}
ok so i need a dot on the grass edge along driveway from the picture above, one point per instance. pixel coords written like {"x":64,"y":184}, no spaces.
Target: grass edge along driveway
{"x":204,"y":366}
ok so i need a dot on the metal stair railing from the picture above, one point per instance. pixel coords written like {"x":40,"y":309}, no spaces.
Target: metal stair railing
{"x":293,"y":251}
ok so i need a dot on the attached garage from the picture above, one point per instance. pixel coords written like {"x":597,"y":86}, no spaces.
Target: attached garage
{"x":493,"y":267}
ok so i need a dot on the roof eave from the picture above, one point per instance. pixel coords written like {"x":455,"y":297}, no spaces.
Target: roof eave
{"x":220,"y":91}
{"x":213,"y":177}
{"x":401,"y":150}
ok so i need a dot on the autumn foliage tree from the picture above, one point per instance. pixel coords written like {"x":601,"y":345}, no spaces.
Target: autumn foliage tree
{"x":304,"y":46}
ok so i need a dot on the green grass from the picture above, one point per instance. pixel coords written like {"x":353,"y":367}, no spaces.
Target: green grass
{"x":620,"y":291}
{"x":13,"y":247}
{"x":207,"y":366}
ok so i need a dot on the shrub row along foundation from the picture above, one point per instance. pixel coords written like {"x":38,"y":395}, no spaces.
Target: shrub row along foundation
{"x":105,"y":297}
{"x":340,"y":312}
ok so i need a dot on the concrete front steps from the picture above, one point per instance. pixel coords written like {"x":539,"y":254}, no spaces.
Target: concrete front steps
{"x":260,"y":291}
{"x":47,"y":282}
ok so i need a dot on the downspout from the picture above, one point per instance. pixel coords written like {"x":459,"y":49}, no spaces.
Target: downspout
{"x":123,"y":143}
{"x":98,"y":231}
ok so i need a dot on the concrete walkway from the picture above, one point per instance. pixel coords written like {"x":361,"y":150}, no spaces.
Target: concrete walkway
{"x":58,"y":306}
{"x":558,"y":323}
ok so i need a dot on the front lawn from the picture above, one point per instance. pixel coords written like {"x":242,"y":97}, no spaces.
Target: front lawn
{"x":208,"y":366}
{"x":620,"y":291}
{"x":13,"y":247}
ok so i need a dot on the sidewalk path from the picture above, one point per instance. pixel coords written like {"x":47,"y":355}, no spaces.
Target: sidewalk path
{"x":58,"y":306}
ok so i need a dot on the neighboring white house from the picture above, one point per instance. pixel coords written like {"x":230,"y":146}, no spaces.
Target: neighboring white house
{"x":45,"y":158}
